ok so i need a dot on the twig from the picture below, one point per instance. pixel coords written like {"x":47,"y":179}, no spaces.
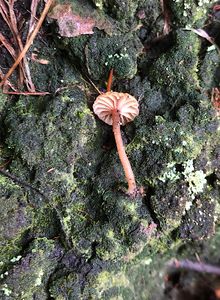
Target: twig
{"x":92,"y":83}
{"x":8,"y":83}
{"x":5,"y":164}
{"x":166,"y":14}
{"x":6,"y":44}
{"x":26,"y":74}
{"x":29,"y":42}
{"x":20,"y":182}
{"x":26,"y":93}
{"x":7,"y":13}
{"x":4,"y":13}
{"x":32,"y":22}
{"x":194,"y":266}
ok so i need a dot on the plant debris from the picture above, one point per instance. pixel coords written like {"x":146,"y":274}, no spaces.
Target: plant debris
{"x":72,"y":24}
{"x":8,"y":14}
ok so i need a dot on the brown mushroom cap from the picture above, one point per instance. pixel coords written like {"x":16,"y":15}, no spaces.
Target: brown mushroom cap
{"x":125,"y":104}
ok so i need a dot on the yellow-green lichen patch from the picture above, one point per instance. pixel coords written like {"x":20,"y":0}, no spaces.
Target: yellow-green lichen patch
{"x":170,"y":173}
{"x":108,"y":280}
{"x":196,"y":179}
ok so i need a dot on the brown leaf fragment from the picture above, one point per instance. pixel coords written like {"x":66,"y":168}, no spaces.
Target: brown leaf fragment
{"x":41,"y":61}
{"x":70,"y":24}
{"x":201,"y":32}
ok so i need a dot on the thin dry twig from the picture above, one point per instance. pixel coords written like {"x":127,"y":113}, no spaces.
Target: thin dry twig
{"x":194,"y":266}
{"x":29,"y":42}
{"x":7,"y":83}
{"x":20,"y":182}
{"x":166,"y":13}
{"x":26,"y":74}
{"x":5,"y":164}
{"x":4,"y":13}
{"x":6,"y":44}
{"x":26,"y":93}
{"x":7,"y":12}
{"x":33,"y":19}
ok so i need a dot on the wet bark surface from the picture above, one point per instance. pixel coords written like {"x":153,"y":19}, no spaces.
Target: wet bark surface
{"x":68,"y":229}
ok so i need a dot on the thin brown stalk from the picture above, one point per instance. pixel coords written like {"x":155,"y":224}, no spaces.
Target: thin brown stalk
{"x":6,"y":44}
{"x":194,"y":266}
{"x":33,"y":19}
{"x":29,"y":42}
{"x":166,"y":14}
{"x":26,"y":74}
{"x":4,"y":13}
{"x":26,"y":93}
{"x":7,"y":83}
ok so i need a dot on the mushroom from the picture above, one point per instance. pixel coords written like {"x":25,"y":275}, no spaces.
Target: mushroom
{"x":117,"y":109}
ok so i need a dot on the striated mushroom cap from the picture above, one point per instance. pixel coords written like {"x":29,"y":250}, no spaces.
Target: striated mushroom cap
{"x":125,"y":104}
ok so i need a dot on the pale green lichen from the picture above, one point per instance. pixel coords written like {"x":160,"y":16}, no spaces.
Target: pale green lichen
{"x":66,"y":221}
{"x":3,"y":275}
{"x":6,"y":290}
{"x":99,"y":4}
{"x":113,"y":58}
{"x":169,"y":173}
{"x":189,"y":6}
{"x":110,"y":279}
{"x":195,"y":179}
{"x":197,"y":182}
{"x":38,"y":280}
{"x":16,"y":259}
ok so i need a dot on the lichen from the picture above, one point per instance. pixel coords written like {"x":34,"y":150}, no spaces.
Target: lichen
{"x":28,"y":276}
{"x":196,"y":179}
{"x":190,"y":13}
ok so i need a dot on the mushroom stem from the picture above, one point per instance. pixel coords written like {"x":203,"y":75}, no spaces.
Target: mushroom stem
{"x":110,"y":78}
{"x":122,"y":154}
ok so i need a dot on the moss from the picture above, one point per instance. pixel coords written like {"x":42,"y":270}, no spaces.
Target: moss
{"x":178,"y":69}
{"x":123,"y":10}
{"x":107,"y":280}
{"x":190,"y":13}
{"x":118,"y":52}
{"x":67,"y":286}
{"x":208,"y":70}
{"x":3,"y":100}
{"x":16,"y":220}
{"x":115,"y":247}
{"x":29,"y":275}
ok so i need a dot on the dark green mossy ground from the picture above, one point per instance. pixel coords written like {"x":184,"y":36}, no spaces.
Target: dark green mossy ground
{"x":75,"y":234}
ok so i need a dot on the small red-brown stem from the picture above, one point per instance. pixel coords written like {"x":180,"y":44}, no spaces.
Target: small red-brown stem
{"x":110,"y":78}
{"x":132,"y":188}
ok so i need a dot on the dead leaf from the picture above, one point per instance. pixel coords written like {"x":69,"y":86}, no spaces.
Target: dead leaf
{"x":203,"y":34}
{"x":70,"y":24}
{"x":41,"y":61}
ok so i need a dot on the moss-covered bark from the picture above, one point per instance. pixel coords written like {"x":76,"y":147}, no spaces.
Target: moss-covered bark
{"x":68,"y":230}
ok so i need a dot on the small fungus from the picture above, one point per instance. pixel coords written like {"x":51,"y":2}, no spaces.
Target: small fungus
{"x":117,"y":109}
